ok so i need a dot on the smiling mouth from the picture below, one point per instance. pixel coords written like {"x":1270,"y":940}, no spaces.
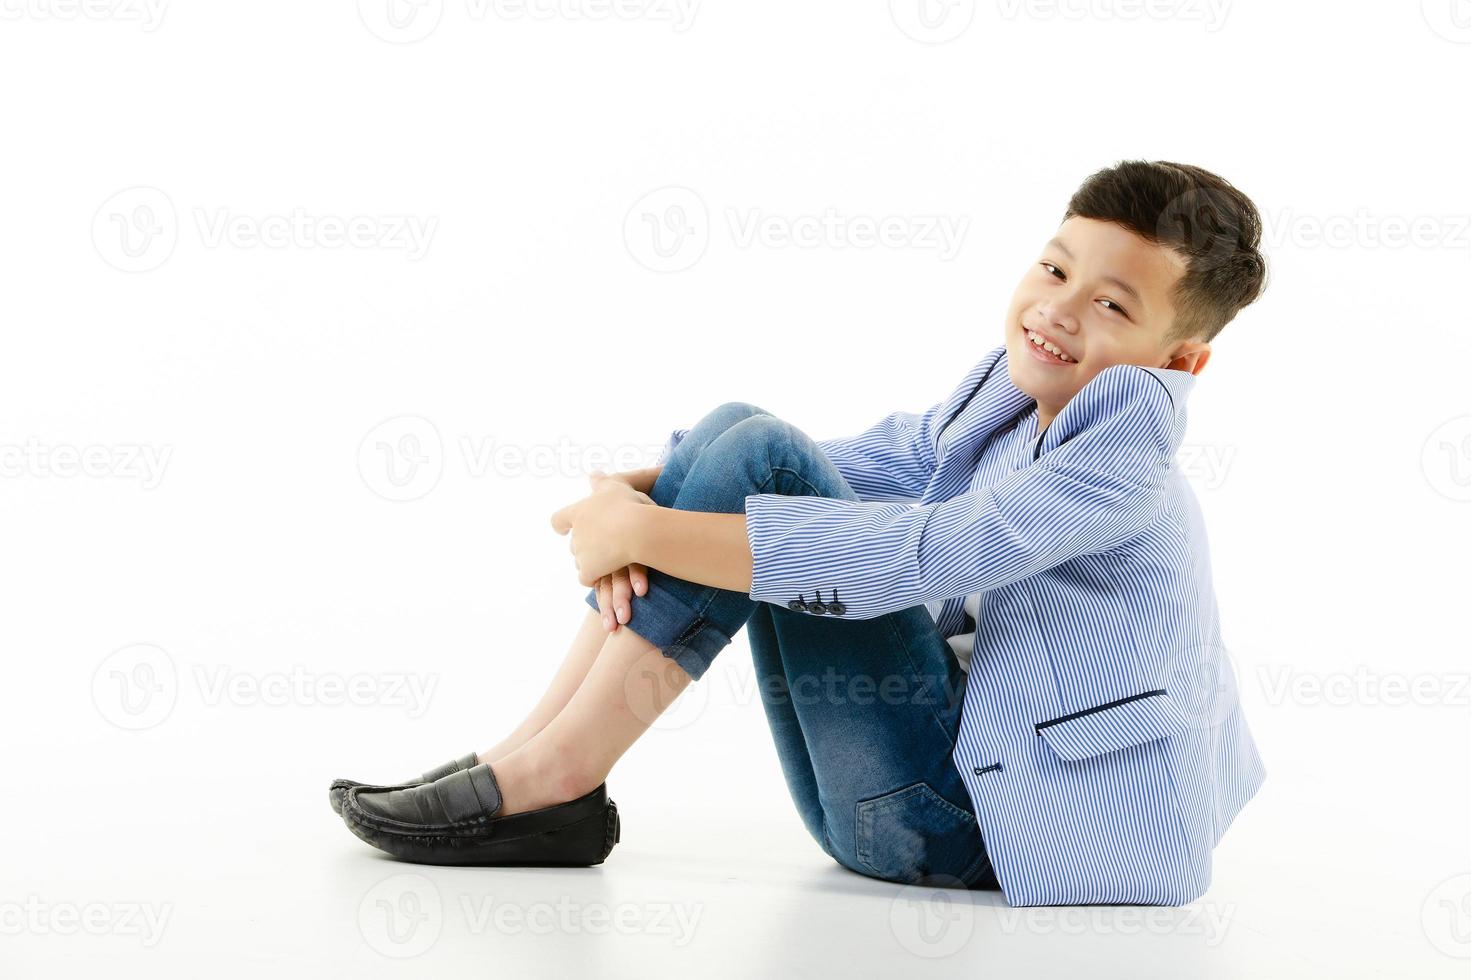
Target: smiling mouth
{"x":1042,"y":352}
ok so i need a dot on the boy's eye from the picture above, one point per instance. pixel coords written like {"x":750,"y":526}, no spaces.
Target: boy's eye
{"x":1055,"y":271}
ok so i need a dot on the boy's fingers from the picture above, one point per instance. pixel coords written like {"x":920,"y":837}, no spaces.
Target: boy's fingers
{"x":605,"y":605}
{"x":621,"y":592}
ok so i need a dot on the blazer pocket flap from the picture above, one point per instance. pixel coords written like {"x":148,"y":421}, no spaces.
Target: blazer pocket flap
{"x":1116,"y":725}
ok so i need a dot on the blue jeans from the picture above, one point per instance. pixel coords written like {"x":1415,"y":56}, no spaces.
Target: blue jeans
{"x":864,"y":712}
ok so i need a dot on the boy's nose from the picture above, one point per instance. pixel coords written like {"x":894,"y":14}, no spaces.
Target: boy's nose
{"x":1056,"y":315}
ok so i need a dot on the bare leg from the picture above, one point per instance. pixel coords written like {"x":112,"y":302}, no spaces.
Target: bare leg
{"x":584,"y":650}
{"x":629,"y":684}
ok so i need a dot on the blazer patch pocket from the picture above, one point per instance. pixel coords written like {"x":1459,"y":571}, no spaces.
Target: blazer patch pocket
{"x":1120,"y":724}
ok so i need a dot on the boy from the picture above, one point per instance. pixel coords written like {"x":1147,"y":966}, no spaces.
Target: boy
{"x":1023,"y":547}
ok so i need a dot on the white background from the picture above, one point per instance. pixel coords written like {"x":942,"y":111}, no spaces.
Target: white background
{"x":1329,"y":444}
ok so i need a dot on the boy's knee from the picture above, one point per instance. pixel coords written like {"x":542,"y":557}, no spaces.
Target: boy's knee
{"x":760,"y":430}
{"x":733,"y":412}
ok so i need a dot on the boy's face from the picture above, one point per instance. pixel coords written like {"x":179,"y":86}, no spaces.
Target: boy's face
{"x":1102,"y":294}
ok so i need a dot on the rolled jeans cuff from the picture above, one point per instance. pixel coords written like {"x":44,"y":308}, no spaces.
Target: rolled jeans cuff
{"x":667,"y":621}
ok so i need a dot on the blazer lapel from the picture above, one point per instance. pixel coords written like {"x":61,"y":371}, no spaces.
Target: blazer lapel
{"x":990,"y":406}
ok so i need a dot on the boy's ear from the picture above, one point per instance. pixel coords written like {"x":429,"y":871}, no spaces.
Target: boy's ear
{"x":1189,"y":357}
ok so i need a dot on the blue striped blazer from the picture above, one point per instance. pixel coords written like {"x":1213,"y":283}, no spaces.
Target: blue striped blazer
{"x":1101,"y":741}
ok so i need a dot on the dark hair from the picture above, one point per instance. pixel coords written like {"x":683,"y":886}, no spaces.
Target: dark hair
{"x":1199,"y":215}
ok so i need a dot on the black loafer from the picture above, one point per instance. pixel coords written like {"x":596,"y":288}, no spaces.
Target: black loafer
{"x":339,"y":787}
{"x":452,"y":820}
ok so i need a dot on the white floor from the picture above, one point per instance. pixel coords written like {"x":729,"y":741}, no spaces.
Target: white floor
{"x":178,"y":851}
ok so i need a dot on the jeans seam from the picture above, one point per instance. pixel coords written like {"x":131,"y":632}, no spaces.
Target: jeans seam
{"x":798,"y":476}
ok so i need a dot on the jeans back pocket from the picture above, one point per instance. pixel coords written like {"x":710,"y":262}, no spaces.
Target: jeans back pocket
{"x":914,"y":834}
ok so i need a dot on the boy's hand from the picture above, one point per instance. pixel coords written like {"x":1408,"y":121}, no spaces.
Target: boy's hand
{"x":598,"y":524}
{"x":614,"y":591}
{"x":616,"y":588}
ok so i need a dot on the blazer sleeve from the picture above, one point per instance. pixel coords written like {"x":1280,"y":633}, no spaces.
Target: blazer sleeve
{"x":893,"y":459}
{"x":1097,"y":488}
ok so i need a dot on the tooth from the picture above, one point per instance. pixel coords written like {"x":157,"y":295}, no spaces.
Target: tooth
{"x":1036,"y":339}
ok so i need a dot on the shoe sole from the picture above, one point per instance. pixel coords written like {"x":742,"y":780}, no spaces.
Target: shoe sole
{"x":536,"y":839}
